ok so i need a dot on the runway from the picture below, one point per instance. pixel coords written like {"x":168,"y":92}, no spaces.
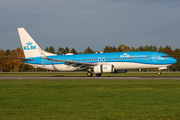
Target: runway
{"x":89,"y":78}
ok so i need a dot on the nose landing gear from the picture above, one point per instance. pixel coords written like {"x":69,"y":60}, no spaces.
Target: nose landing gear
{"x":161,"y":68}
{"x":159,"y":73}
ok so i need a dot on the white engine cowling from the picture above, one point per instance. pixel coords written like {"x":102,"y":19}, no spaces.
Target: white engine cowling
{"x":106,"y":68}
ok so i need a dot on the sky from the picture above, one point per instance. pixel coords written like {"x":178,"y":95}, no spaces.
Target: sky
{"x":94,"y":23}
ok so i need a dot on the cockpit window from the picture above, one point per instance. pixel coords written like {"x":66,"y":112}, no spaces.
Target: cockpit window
{"x":165,"y":56}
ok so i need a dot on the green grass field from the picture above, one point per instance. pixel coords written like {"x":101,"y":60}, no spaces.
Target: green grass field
{"x":62,"y":74}
{"x":89,"y":100}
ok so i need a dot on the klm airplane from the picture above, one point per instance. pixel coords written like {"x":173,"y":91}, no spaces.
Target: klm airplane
{"x":97,"y":62}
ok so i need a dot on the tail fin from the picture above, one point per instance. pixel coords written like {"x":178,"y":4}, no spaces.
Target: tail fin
{"x":30,"y":47}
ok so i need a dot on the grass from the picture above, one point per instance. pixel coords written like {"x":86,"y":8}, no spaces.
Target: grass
{"x":89,"y":100}
{"x":64,"y":74}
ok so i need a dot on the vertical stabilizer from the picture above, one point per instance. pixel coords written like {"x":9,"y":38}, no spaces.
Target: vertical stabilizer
{"x":30,"y":47}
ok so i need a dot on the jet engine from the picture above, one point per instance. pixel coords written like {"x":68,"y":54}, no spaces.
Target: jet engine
{"x":105,"y":68}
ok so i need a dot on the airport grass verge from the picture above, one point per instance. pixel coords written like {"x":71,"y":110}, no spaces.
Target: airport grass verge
{"x":89,"y":100}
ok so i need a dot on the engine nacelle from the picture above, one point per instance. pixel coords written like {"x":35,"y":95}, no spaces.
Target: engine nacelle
{"x":106,"y":68}
{"x":98,"y":69}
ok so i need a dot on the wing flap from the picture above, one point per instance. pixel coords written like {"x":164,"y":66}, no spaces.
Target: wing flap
{"x":76,"y":64}
{"x":69,"y":62}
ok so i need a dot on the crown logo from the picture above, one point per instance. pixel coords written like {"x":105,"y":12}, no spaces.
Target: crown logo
{"x":29,"y":43}
{"x":105,"y":67}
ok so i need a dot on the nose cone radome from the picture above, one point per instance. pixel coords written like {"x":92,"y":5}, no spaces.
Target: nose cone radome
{"x":173,"y":60}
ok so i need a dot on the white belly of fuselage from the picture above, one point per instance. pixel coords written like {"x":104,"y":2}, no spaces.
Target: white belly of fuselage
{"x":131,"y":65}
{"x":58,"y":67}
{"x":117,"y":65}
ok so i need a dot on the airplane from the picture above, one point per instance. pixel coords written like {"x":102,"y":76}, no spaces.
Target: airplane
{"x":97,"y":62}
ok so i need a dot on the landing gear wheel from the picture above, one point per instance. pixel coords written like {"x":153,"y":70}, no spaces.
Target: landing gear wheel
{"x":159,"y":73}
{"x":98,"y":75}
{"x":89,"y":74}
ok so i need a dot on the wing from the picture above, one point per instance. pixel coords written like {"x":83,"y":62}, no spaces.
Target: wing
{"x":76,"y":64}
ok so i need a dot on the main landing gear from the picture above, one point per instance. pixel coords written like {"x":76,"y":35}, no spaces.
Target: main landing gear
{"x":98,"y":74}
{"x":90,"y":74}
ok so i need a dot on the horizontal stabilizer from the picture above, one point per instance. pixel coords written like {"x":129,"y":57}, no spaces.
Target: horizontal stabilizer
{"x":24,"y":59}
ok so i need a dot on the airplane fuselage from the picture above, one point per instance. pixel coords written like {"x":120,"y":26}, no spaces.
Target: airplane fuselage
{"x":120,"y":60}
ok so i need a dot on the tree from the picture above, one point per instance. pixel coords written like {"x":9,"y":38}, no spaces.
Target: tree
{"x":88,"y":50}
{"x":176,"y":55}
{"x":150,"y":48}
{"x":123,"y":48}
{"x":15,"y":64}
{"x":147,"y":48}
{"x":168,"y":51}
{"x":140,"y":48}
{"x":109,"y":49}
{"x":2,"y":60}
{"x":66,"y":50}
{"x":7,"y":52}
{"x":50,"y":49}
{"x":160,"y":49}
{"x":60,"y":51}
{"x":133,"y":49}
{"x":73,"y":51}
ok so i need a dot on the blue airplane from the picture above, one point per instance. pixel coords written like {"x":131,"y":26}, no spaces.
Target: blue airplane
{"x":97,"y":62}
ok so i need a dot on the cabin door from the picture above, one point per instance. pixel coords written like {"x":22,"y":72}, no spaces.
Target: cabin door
{"x":43,"y":62}
{"x":154,"y":57}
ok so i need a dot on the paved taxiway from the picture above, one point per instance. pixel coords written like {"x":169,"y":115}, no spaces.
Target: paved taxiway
{"x":89,"y":78}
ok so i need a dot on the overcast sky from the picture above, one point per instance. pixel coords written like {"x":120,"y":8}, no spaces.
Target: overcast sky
{"x":94,"y":23}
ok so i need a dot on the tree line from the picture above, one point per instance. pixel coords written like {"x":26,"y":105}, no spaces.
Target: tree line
{"x":15,"y":65}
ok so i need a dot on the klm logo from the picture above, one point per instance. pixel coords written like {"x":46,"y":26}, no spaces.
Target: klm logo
{"x":105,"y":68}
{"x":29,"y":46}
{"x":125,"y":55}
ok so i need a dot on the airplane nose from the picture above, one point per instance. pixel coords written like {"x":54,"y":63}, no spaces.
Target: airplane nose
{"x":173,"y":60}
